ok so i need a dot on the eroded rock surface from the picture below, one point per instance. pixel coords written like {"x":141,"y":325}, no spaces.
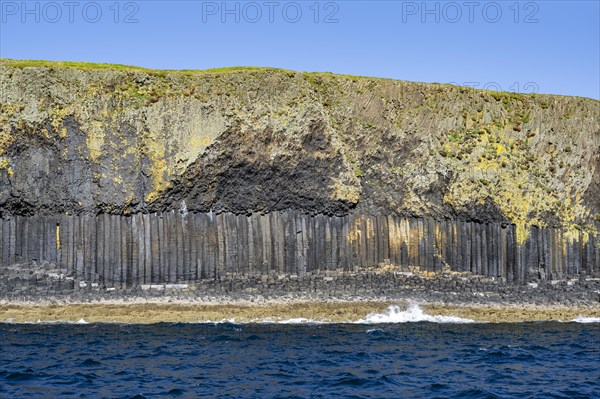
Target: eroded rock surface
{"x":90,"y":139}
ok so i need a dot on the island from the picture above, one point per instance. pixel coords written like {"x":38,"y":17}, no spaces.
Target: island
{"x":247,"y":193}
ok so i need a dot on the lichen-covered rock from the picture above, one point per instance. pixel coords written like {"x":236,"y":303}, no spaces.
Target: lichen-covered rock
{"x":85,"y":138}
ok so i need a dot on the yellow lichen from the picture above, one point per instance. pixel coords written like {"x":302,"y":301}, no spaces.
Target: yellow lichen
{"x":57,"y":235}
{"x":155,"y":150}
{"x":95,"y":139}
{"x":517,"y":184}
{"x":194,"y":147}
{"x":344,"y":191}
{"x":57,"y":116}
{"x":4,"y":163}
{"x":9,"y":113}
{"x":6,"y":139}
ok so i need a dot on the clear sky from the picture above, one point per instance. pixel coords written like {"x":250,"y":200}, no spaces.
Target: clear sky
{"x":526,"y":46}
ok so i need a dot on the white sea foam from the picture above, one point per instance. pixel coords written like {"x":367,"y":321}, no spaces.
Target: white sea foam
{"x":296,"y":320}
{"x":299,"y":320}
{"x":582,"y":319}
{"x":80,"y":321}
{"x":393,"y":314}
{"x":222,"y":321}
{"x":413,"y":314}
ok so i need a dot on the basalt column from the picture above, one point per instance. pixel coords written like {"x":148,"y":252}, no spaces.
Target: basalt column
{"x":172,"y":247}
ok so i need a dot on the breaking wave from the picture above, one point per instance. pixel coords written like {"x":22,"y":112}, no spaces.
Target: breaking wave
{"x":413,"y":314}
{"x":582,"y":319}
{"x":297,"y":320}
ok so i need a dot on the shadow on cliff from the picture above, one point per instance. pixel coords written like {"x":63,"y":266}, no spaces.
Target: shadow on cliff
{"x":263,"y":170}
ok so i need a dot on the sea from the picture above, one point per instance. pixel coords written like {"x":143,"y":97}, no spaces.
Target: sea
{"x":396,"y":354}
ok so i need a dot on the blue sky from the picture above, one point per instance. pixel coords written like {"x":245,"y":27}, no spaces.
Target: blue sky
{"x":526,"y":46}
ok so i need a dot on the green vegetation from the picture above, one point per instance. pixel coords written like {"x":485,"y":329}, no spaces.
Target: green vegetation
{"x":69,"y":64}
{"x":90,"y":66}
{"x":358,"y":172}
{"x":505,"y":97}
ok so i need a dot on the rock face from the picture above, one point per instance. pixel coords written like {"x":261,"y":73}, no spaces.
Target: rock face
{"x":173,"y":247}
{"x":90,"y":140}
{"x":87,"y":140}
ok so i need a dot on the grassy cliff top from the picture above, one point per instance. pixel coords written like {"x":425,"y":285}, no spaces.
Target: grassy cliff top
{"x":93,"y":66}
{"x":90,"y":66}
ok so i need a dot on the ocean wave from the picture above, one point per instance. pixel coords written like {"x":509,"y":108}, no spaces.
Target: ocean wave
{"x":268,"y":320}
{"x":393,"y":314}
{"x":297,"y":320}
{"x":582,"y":319}
{"x":80,"y":321}
{"x":212,"y":322}
{"x":413,"y":314}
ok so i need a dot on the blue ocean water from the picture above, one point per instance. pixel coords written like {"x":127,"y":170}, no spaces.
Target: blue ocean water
{"x":406,"y":360}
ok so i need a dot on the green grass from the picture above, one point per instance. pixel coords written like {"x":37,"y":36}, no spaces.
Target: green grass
{"x":68,"y":64}
{"x":236,"y":69}
{"x":505,"y":97}
{"x":88,"y":66}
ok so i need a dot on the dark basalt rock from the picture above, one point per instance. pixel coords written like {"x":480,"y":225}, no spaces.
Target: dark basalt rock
{"x":287,"y":172}
{"x":250,"y":175}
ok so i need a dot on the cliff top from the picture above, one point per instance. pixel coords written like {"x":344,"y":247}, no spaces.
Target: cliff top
{"x":93,"y":66}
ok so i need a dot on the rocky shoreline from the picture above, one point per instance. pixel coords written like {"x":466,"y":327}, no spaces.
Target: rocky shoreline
{"x":138,"y":311}
{"x":39,"y":284}
{"x":327,"y":296}
{"x":267,"y":188}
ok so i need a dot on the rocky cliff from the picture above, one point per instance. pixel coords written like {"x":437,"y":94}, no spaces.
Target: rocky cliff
{"x":93,"y":139}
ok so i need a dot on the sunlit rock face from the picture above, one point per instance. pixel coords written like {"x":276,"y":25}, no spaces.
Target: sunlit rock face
{"x":89,"y":140}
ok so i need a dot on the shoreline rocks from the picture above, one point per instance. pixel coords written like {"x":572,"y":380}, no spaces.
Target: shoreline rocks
{"x":454,"y":288}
